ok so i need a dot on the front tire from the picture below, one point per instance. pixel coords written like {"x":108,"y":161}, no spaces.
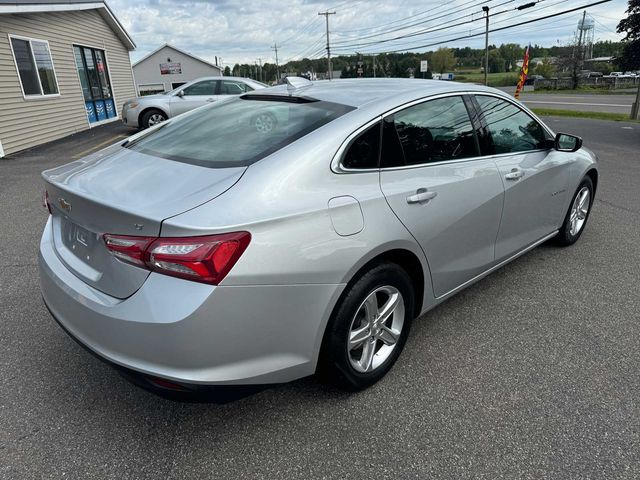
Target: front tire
{"x":368,"y":329}
{"x":152,"y":117}
{"x":576,"y":219}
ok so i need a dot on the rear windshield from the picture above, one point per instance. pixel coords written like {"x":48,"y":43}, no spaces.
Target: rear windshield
{"x":238,"y":132}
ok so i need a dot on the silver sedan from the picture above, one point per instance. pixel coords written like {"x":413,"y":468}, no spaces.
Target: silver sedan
{"x":146,"y":111}
{"x":211,"y":251}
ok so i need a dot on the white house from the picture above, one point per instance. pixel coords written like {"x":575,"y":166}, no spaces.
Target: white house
{"x":169,"y":67}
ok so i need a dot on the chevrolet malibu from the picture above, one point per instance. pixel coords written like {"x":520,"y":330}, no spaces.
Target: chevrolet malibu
{"x":206,"y":251}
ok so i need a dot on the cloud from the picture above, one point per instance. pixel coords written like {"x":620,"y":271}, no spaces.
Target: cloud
{"x":243,"y":31}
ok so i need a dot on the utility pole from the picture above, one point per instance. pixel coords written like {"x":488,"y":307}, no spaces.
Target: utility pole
{"x":275,"y":47}
{"x":635,"y":108}
{"x":486,"y":46}
{"x":577,"y":57}
{"x":374,"y":65}
{"x":326,"y":17}
{"x":260,"y":60}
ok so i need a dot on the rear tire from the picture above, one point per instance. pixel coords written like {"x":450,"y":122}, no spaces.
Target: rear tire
{"x":576,"y":218}
{"x":368,"y":328}
{"x":152,"y":117}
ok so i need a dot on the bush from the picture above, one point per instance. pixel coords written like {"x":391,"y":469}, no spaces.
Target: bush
{"x":506,"y":80}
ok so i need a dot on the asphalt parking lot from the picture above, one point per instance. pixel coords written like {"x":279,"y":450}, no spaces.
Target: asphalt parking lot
{"x":531,"y":373}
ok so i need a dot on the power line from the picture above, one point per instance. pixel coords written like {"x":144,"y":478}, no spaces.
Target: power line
{"x":430,"y":20}
{"x":443,"y":27}
{"x":462,"y":37}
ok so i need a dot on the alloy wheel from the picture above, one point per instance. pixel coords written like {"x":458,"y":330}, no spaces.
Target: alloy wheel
{"x":579,"y":211}
{"x":155,"y":119}
{"x":375,"y":329}
{"x":264,"y":123}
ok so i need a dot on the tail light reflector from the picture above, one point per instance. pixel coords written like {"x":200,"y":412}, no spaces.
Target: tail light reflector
{"x":206,"y":259}
{"x":45,"y":201}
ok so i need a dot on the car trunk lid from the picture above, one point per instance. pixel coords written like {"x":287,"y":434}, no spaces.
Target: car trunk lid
{"x":124,"y":192}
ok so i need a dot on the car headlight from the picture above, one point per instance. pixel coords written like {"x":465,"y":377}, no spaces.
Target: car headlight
{"x":131,"y":104}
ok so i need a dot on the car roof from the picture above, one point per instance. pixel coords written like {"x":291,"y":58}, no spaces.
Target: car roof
{"x":359,"y":92}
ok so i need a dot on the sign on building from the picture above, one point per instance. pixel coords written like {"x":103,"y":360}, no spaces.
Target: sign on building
{"x":170,"y":68}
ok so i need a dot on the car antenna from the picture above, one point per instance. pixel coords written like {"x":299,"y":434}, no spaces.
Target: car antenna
{"x":295,"y":83}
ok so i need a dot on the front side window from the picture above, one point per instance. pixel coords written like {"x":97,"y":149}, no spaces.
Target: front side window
{"x":35,"y":67}
{"x":205,"y":87}
{"x":232,"y":133}
{"x":510,"y":129}
{"x":364,"y":150}
{"x":433,"y":131}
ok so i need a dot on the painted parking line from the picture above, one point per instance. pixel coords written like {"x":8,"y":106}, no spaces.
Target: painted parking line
{"x":576,"y":103}
{"x":97,"y":147}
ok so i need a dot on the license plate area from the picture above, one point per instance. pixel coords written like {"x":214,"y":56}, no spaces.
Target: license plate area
{"x":80,"y":241}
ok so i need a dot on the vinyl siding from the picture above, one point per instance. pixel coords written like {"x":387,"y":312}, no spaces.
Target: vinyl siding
{"x":25,"y":123}
{"x":148,"y":70}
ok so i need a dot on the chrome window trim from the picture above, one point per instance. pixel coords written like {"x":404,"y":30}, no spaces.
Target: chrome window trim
{"x":336,"y":162}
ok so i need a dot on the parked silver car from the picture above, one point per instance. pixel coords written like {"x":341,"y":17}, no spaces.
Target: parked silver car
{"x":144,"y":112}
{"x":207,"y":251}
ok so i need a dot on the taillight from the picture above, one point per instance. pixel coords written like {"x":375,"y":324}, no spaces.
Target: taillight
{"x":206,"y":259}
{"x":130,"y":249}
{"x":45,"y":201}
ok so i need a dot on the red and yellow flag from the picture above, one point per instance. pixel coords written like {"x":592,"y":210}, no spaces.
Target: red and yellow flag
{"x":524,"y":71}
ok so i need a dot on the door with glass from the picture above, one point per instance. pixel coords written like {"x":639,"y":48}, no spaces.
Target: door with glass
{"x":96,"y":84}
{"x":535,"y":176}
{"x":441,"y":189}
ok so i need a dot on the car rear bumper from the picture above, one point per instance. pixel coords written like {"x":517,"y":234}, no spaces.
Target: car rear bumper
{"x":190,"y":332}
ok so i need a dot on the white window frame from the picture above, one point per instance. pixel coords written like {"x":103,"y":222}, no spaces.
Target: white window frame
{"x":42,"y":95}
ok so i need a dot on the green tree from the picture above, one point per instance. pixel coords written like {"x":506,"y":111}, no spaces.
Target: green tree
{"x":546,"y":68}
{"x":496,"y":62}
{"x":442,"y":60}
{"x":630,"y":58}
{"x":227,"y":71}
{"x":511,"y":53}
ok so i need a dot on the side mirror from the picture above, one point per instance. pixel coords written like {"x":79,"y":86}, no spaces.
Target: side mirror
{"x":567,"y":143}
{"x":180,"y":94}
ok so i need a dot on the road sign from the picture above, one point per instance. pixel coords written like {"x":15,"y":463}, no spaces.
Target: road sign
{"x":424,"y":65}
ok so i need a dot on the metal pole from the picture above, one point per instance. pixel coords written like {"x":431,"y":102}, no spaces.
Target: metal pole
{"x":635,"y":109}
{"x":577,"y":60}
{"x":326,"y":16}
{"x":275,"y":47}
{"x":486,"y":47}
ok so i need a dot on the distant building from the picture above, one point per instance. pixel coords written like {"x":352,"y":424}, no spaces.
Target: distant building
{"x":64,"y":67}
{"x":168,"y":67}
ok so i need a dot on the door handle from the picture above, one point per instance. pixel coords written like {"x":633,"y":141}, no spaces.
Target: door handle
{"x":211,"y":99}
{"x":421,"y":196}
{"x":515,"y":174}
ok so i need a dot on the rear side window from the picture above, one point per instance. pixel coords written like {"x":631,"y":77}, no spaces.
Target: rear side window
{"x":509,"y":128}
{"x":229,"y":87}
{"x":364,"y":150}
{"x":433,"y":131}
{"x":237,"y":132}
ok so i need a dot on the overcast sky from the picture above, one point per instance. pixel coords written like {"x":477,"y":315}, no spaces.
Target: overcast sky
{"x":243,"y":31}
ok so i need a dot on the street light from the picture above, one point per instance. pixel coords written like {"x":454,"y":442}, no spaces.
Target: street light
{"x":485,"y":9}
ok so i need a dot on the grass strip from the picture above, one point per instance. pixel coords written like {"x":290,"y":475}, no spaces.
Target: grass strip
{"x":616,"y":117}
